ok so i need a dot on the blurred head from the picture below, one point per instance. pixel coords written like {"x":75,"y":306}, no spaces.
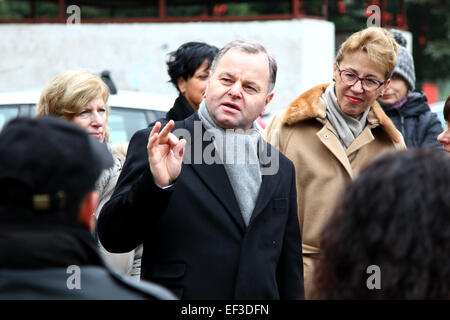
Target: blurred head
{"x":397,"y":90}
{"x":79,"y":97}
{"x":446,"y":110}
{"x":444,"y":137}
{"x":395,"y":216}
{"x":240,"y":86}
{"x":49,"y":166}
{"x":363,"y":67}
{"x":403,"y":79}
{"x":188,"y":68}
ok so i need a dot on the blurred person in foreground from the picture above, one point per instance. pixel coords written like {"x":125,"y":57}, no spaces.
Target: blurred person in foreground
{"x":215,"y":224}
{"x":188,"y":68}
{"x":332,"y":130}
{"x":444,"y":137}
{"x":409,"y":110}
{"x":389,"y":237}
{"x":81,"y":97}
{"x":48,"y":170}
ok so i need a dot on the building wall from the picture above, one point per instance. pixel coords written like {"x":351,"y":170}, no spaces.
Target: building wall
{"x":135,"y":53}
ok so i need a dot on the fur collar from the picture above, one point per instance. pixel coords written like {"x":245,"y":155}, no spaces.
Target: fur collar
{"x":309,"y":105}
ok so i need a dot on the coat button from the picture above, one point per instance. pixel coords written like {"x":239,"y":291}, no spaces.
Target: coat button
{"x":325,"y":135}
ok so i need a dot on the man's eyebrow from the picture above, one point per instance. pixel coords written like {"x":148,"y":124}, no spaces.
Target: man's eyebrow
{"x":226,"y":73}
{"x":253,"y":84}
{"x":246,"y":82}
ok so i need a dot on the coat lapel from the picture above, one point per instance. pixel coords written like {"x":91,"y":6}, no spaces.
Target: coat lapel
{"x":213,"y":175}
{"x":332,"y":143}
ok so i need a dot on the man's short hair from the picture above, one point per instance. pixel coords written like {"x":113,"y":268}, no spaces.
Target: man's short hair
{"x":252,"y":47}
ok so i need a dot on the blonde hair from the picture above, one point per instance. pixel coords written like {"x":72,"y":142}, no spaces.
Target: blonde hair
{"x":377,"y":43}
{"x":69,"y":92}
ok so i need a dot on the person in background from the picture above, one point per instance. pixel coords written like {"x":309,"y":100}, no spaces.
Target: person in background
{"x":332,"y":130}
{"x":409,"y":110}
{"x":444,"y":136}
{"x":188,"y":68}
{"x":81,"y":97}
{"x":389,"y":237}
{"x":48,"y":171}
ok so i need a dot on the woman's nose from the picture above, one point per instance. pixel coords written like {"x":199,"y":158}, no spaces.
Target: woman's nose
{"x":357,"y":86}
{"x":96,"y":118}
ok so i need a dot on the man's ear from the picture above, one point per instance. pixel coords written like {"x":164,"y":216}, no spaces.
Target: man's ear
{"x":266,"y":103}
{"x":207,"y":83}
{"x":87,"y":209}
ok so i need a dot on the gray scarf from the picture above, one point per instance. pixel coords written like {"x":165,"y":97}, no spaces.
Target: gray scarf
{"x":238,"y":151}
{"x":347,"y":127}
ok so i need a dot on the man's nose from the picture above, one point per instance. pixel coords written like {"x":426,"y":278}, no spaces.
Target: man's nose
{"x":235,"y":90}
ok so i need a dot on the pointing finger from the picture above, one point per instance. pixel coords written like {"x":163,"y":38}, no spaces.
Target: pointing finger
{"x":165,"y":131}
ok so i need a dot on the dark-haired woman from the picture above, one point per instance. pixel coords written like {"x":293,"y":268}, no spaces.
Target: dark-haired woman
{"x":188,"y":68}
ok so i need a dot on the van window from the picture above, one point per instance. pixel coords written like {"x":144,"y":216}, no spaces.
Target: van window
{"x":7,"y":113}
{"x":123,"y":123}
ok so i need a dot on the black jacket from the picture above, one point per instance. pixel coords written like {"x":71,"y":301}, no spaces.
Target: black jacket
{"x":416,"y":122}
{"x":43,"y":258}
{"x":181,"y":109}
{"x":195,"y":239}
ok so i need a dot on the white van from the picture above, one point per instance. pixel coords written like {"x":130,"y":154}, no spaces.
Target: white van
{"x":130,"y":110}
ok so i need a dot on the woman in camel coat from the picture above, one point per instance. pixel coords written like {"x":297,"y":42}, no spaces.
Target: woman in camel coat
{"x":333,"y":130}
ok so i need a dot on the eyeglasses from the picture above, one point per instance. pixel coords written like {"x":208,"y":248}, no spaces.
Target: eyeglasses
{"x":349,"y":79}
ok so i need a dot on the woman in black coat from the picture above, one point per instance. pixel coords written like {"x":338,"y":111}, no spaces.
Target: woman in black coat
{"x":188,"y":68}
{"x":409,"y":110}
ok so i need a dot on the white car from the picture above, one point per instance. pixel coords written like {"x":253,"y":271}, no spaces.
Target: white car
{"x":438,"y":108}
{"x":130,"y":110}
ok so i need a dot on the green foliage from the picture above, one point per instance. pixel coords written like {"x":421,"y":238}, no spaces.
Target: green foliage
{"x":428,"y":20}
{"x":186,"y":10}
{"x":14,"y":10}
{"x":47,"y":10}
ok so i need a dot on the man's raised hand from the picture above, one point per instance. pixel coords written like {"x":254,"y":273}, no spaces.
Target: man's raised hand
{"x":165,"y":154}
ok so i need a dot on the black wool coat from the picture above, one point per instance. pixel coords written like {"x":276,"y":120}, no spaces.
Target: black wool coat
{"x":194,"y":237}
{"x":45,"y":257}
{"x":181,"y":109}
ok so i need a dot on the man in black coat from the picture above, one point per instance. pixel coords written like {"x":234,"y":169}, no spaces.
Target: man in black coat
{"x":216,"y":210}
{"x":48,"y":169}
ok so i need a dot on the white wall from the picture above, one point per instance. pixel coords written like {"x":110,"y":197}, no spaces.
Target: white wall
{"x":32,"y":54}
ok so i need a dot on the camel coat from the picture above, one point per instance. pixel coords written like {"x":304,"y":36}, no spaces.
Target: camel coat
{"x":323,"y":166}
